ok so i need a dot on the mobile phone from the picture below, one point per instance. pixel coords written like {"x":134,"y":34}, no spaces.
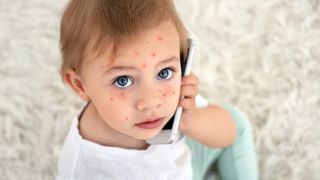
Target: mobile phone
{"x":171,"y":130}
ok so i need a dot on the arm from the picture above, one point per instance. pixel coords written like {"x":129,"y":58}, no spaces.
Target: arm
{"x":212,"y":126}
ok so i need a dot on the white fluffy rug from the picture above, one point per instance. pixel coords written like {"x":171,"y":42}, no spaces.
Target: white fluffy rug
{"x":263,"y":56}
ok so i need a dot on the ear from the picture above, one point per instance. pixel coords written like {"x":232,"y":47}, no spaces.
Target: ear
{"x":76,"y":83}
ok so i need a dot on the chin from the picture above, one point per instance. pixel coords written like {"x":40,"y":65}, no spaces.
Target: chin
{"x":148,"y":135}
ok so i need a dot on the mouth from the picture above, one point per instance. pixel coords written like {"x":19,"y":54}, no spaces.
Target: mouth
{"x":151,"y":123}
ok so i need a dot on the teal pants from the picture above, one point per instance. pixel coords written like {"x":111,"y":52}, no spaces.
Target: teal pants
{"x":237,"y":162}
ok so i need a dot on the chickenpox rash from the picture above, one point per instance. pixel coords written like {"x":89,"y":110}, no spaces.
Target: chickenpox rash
{"x":167,"y":93}
{"x":159,"y":38}
{"x":136,"y":54}
{"x":127,"y":118}
{"x":153,"y":54}
{"x":111,"y":99}
{"x":122,"y":95}
{"x":144,"y":65}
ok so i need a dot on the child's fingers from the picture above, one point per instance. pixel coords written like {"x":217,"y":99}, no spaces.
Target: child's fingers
{"x":189,"y":91}
{"x":189,"y":80}
{"x":187,"y":104}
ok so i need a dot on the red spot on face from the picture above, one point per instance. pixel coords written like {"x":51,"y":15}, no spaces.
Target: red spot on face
{"x":136,"y":54}
{"x":148,"y":42}
{"x":111,"y":99}
{"x":159,"y":38}
{"x":173,"y":92}
{"x":164,"y":94}
{"x":127,"y":118}
{"x":144,"y":65}
{"x":153,"y":54}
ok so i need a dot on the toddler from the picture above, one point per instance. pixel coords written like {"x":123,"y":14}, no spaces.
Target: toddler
{"x":123,"y":58}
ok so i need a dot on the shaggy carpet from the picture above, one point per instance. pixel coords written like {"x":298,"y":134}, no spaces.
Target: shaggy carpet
{"x":262,"y":56}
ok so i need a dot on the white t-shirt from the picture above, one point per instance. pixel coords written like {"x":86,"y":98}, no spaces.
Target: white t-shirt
{"x":85,"y":160}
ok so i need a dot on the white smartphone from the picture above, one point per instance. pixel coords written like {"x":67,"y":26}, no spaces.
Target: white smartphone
{"x":171,"y":130}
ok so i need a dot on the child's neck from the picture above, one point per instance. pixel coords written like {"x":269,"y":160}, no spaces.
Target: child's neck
{"x":93,"y":128}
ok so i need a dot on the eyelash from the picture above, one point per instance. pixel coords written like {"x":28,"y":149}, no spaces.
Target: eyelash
{"x":118,"y":77}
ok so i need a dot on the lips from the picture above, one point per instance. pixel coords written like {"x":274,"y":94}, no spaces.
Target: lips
{"x":150,"y":123}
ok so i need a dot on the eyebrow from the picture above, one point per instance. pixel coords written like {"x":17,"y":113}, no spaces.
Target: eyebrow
{"x":123,"y":68}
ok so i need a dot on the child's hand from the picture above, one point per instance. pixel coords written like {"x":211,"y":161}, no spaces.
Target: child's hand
{"x":189,"y":89}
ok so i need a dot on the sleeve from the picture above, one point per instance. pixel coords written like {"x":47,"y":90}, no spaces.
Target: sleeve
{"x":201,"y":102}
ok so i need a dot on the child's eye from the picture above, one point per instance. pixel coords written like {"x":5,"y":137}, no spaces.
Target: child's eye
{"x":165,"y":73}
{"x":122,"y":82}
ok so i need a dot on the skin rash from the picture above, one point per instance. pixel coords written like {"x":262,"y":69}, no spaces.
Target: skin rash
{"x":148,"y":89}
{"x":113,"y":112}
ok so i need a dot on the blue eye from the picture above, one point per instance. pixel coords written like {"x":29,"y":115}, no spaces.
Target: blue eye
{"x":165,"y":73}
{"x":122,"y":82}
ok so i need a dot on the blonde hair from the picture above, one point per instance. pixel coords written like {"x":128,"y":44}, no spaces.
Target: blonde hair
{"x":88,"y":25}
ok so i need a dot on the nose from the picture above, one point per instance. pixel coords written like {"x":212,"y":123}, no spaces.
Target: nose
{"x":149,"y":99}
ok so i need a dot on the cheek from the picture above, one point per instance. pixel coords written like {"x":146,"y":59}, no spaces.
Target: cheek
{"x":172,"y":90}
{"x":170,"y":96}
{"x":117,"y":104}
{"x":116,"y":96}
{"x":168,"y":92}
{"x":153,"y":54}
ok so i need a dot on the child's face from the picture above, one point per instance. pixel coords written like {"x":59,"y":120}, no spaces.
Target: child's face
{"x":146,"y":86}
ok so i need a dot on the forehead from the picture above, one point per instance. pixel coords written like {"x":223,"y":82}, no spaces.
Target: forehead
{"x":156,"y":37}
{"x":160,"y":39}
